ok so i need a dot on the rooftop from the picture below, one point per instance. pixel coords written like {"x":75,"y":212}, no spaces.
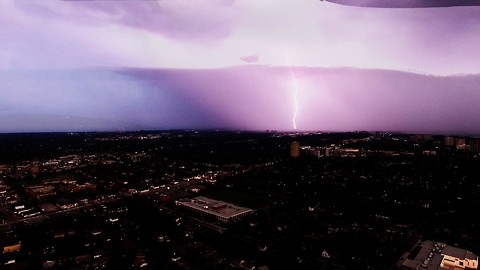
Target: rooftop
{"x":218,"y":208}
{"x":430,"y":255}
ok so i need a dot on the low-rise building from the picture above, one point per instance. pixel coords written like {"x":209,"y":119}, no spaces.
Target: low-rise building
{"x":222,"y":211}
{"x":40,"y":191}
{"x":431,"y":255}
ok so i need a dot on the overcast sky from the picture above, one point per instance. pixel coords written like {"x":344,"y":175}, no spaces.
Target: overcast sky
{"x":84,"y":65}
{"x":220,"y":33}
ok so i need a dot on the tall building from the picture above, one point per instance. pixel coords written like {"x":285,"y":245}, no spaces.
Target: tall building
{"x":295,"y":149}
{"x":460,"y":144}
{"x":459,"y":141}
{"x":449,"y":141}
{"x":474,"y":146}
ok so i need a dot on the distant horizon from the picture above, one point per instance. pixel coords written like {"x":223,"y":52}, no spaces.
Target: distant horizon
{"x":238,"y":66}
{"x":226,"y":130}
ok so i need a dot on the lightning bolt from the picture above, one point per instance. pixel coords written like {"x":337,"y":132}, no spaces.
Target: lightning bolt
{"x":295,"y":86}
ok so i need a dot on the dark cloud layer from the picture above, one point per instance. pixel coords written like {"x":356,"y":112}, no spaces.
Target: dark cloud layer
{"x":254,"y":98}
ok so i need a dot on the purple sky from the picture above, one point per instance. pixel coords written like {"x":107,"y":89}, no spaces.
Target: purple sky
{"x":62,"y":60}
{"x":407,"y":3}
